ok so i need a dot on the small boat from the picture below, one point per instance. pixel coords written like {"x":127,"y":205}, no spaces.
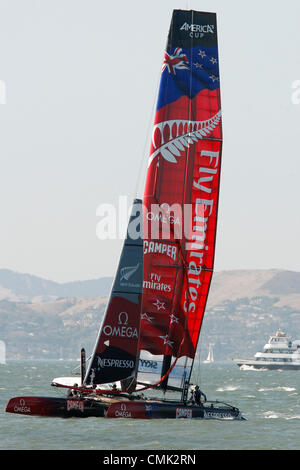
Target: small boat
{"x":210,"y":356}
{"x":148,"y":338}
{"x":280,"y":352}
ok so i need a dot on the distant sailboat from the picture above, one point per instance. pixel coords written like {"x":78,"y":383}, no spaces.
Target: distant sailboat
{"x":210,"y":356}
{"x":2,"y":352}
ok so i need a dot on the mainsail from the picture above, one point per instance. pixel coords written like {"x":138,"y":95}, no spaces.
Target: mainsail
{"x":115,"y":353}
{"x":181,"y":194}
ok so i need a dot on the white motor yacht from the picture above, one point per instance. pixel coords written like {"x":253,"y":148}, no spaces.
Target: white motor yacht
{"x":280,"y":352}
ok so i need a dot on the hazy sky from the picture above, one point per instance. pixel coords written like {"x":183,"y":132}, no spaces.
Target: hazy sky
{"x":81,"y":79}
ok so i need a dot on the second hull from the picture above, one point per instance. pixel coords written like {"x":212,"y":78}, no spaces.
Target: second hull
{"x":56,"y":407}
{"x":152,"y":409}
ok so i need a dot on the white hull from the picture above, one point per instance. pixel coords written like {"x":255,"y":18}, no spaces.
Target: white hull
{"x":70,"y":381}
{"x":278,"y":353}
{"x":267,"y":364}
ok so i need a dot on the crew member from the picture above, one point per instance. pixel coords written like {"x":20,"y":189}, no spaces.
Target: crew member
{"x":72,"y":393}
{"x":198,"y":394}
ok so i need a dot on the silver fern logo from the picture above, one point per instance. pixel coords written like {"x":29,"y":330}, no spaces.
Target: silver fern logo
{"x":127,"y":272}
{"x":182,"y":134}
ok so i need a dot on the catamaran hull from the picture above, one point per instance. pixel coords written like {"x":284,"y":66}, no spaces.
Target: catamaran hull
{"x":171,"y":410}
{"x":56,"y":407}
{"x":84,"y":408}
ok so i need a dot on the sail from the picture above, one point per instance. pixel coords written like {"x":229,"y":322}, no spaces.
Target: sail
{"x":210,"y":355}
{"x":115,"y":353}
{"x":181,"y":192}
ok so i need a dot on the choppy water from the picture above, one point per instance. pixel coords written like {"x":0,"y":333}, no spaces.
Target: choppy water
{"x":269,"y":400}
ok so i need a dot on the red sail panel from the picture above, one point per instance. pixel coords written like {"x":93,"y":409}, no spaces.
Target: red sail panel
{"x":158,"y":291}
{"x":182,"y":187}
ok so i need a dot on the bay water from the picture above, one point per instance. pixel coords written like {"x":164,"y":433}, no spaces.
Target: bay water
{"x":269,"y":400}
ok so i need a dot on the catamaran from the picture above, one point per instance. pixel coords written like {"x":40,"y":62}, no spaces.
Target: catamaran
{"x":151,"y":327}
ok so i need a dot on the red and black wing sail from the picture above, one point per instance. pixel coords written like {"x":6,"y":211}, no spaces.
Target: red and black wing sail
{"x":182,"y":188}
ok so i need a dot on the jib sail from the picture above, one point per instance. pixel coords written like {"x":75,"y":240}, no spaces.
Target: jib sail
{"x":115,"y":354}
{"x":181,"y":194}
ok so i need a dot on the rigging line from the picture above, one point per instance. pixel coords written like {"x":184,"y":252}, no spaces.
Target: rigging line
{"x":161,"y":379}
{"x":199,"y":355}
{"x":79,"y":365}
{"x":145,"y":156}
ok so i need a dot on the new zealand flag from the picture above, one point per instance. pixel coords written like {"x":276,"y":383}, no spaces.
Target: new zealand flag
{"x":185,"y":72}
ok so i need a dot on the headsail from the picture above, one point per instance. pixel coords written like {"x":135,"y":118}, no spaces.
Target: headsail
{"x":182,"y":187}
{"x":115,"y":354}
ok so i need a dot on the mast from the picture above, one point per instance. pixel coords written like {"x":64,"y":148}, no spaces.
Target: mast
{"x":82,"y":365}
{"x":181,"y":194}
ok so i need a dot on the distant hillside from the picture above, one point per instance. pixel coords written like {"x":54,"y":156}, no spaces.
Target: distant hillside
{"x":19,"y":287}
{"x":244,"y":308}
{"x":50,"y":330}
{"x":283,"y":283}
{"x":231,"y":285}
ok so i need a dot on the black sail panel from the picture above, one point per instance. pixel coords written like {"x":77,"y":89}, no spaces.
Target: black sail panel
{"x":115,"y":354}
